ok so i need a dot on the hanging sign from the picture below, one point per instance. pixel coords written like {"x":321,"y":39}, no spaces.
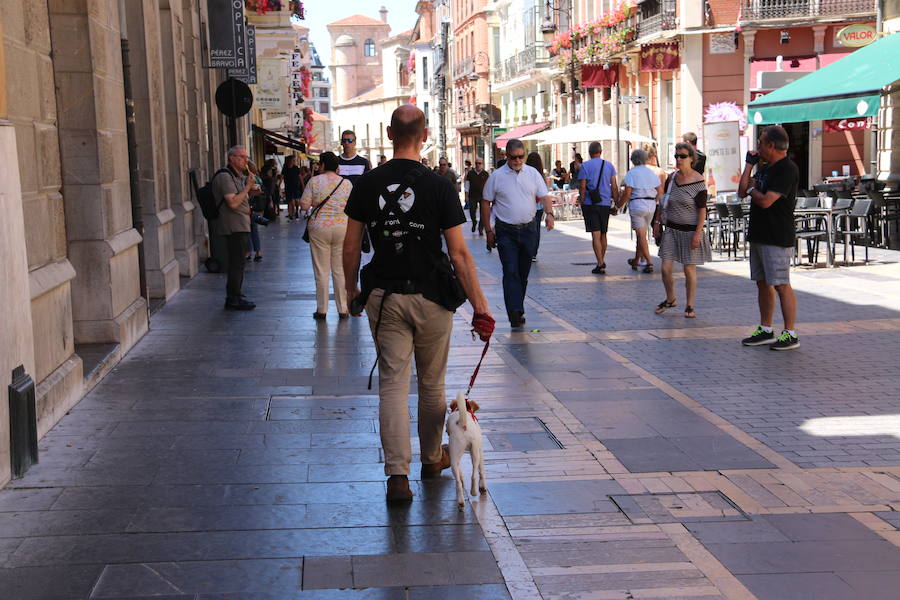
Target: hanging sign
{"x":248,"y":75}
{"x":854,"y":36}
{"x":660,"y":57}
{"x":833,"y":125}
{"x":295,"y":60}
{"x":226,"y":34}
{"x":724,"y":161}
{"x":595,"y":76}
{"x":271,"y":90}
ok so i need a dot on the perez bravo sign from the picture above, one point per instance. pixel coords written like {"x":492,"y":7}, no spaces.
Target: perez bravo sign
{"x":854,"y":36}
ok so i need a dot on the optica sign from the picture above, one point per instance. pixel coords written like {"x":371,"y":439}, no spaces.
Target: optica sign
{"x":854,"y":36}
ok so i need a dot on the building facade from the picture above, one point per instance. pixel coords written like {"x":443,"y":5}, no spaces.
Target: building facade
{"x":321,"y":84}
{"x":90,"y":239}
{"x":376,"y":67}
{"x":469,"y":70}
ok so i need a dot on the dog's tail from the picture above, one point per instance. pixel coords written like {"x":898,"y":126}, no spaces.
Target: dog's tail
{"x":461,"y":407}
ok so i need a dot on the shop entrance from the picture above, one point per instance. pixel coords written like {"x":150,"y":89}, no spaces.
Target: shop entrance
{"x":798,"y":134}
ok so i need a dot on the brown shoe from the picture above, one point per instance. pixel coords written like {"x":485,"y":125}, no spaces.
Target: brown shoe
{"x":398,"y":491}
{"x":432,"y":470}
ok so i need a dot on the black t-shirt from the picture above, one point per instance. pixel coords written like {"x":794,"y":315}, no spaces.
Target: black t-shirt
{"x":775,"y":225}
{"x":431,"y":206}
{"x":353,"y":168}
{"x":476,"y":183}
{"x":699,"y":163}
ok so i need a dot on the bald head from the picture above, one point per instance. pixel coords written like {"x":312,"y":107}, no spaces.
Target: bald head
{"x":407,"y":126}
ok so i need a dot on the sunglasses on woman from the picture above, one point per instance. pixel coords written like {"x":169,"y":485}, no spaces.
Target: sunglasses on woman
{"x":682,"y":156}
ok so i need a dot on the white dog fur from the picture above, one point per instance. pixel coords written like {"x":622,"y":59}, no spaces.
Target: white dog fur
{"x":465,"y":434}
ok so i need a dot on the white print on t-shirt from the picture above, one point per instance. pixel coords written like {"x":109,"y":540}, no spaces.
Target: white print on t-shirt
{"x":406,"y":200}
{"x":351,"y":170}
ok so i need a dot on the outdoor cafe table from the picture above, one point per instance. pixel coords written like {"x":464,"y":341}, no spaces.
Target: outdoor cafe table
{"x":828,"y":213}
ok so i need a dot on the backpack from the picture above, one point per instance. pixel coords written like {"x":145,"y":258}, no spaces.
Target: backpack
{"x":206,"y":199}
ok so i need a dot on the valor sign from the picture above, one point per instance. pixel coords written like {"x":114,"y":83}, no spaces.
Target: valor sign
{"x":226,"y":34}
{"x":854,"y":36}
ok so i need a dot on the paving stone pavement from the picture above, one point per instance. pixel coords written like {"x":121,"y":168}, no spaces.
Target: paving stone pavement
{"x":629,"y":455}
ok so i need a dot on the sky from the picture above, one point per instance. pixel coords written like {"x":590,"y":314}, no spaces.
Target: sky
{"x":319,"y":13}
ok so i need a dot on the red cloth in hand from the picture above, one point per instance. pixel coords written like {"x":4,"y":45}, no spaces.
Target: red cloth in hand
{"x":483,"y":325}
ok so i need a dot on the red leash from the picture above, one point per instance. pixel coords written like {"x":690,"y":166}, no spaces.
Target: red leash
{"x":477,"y":368}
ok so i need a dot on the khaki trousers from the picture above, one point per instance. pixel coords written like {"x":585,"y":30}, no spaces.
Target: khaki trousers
{"x":410,"y":323}
{"x":325,"y":246}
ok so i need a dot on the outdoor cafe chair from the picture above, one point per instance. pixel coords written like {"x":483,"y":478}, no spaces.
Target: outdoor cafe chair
{"x":855,"y":223}
{"x":809,"y":228}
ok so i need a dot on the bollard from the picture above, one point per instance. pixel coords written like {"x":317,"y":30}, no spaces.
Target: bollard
{"x":22,"y":422}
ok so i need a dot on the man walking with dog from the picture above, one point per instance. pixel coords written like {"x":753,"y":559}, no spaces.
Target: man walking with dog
{"x":510,"y":194}
{"x":409,"y":291}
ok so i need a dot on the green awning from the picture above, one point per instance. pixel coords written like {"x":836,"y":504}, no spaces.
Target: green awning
{"x":847,"y":88}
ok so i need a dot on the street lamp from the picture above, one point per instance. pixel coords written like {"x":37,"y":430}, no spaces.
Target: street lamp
{"x":548,"y":30}
{"x":487,"y":117}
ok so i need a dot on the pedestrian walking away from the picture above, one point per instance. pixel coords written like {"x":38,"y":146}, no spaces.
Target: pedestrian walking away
{"x":326,"y":195}
{"x":231,"y":190}
{"x":699,"y":163}
{"x":293,"y":187}
{"x":476,"y":178}
{"x":683,"y":212}
{"x":257,"y":207}
{"x":351,"y":165}
{"x":409,"y":292}
{"x":535,"y":161}
{"x":510,"y":195}
{"x":772,"y":191}
{"x":598,"y":189}
{"x":642,"y":191}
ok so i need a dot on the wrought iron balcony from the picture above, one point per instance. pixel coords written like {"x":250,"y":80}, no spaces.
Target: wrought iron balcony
{"x":464,"y":67}
{"x":760,"y":10}
{"x":659,"y":15}
{"x":533,"y":57}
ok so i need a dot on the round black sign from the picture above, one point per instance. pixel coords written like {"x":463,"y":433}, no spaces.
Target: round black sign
{"x":234,"y":98}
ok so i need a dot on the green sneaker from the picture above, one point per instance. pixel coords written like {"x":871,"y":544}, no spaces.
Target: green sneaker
{"x":786,"y":341}
{"x":759,"y":337}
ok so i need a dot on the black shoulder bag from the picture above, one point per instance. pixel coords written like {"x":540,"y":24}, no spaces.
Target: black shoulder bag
{"x":595,"y":193}
{"x":316,"y":210}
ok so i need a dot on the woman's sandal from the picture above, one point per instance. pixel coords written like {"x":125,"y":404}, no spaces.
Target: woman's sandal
{"x":664,"y":305}
{"x":689,"y":312}
{"x":633,"y":264}
{"x":648,"y":269}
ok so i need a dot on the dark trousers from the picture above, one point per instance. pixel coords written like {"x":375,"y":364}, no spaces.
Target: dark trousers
{"x":516,"y":246}
{"x":475,"y":213}
{"x":538,"y":215}
{"x":236,"y":244}
{"x":254,"y":237}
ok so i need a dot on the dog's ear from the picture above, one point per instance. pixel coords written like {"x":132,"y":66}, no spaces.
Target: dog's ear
{"x":453,"y":406}
{"x":473,"y":406}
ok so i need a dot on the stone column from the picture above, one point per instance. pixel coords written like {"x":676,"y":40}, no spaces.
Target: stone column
{"x":148,"y":88}
{"x":196,"y":105}
{"x":691,"y":80}
{"x":15,"y":327}
{"x":172,"y":25}
{"x":749,"y":51}
{"x":107,"y":306}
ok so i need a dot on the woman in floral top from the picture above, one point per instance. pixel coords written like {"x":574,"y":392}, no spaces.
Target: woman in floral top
{"x":327,"y":195}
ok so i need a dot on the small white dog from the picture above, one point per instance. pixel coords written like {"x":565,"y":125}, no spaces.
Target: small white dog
{"x":465,"y":434}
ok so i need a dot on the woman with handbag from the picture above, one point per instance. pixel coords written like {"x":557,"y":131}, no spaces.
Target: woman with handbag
{"x":326,"y":195}
{"x":683,"y":212}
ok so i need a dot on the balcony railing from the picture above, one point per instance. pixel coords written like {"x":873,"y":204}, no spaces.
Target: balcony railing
{"x":656,"y":16}
{"x":464,"y":67}
{"x":533,"y":57}
{"x":792,"y":9}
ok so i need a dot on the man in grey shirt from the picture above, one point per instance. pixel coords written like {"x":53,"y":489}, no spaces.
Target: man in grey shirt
{"x":231,"y":189}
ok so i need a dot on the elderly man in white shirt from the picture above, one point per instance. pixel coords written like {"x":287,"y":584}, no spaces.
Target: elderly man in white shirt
{"x":510,"y":195}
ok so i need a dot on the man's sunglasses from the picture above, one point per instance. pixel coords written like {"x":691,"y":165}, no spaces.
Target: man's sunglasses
{"x":682,"y":156}
{"x":515,"y":156}
{"x":348,"y":140}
